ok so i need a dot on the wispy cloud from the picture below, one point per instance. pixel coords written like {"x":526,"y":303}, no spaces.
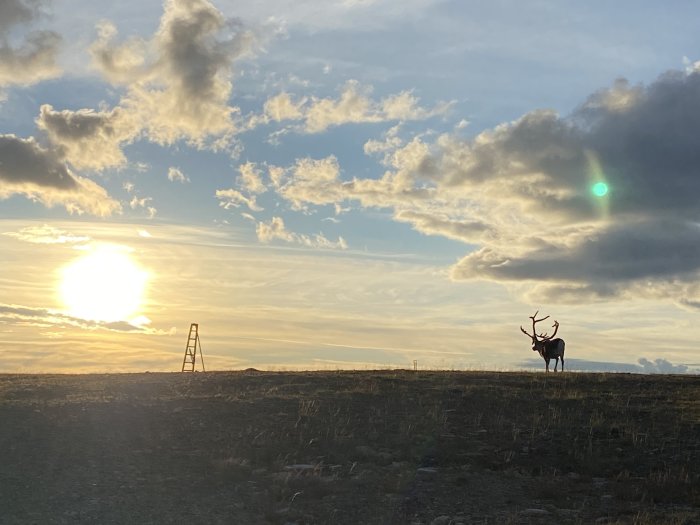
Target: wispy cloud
{"x":276,"y":230}
{"x":232,"y":198}
{"x":45,"y":318}
{"x":46,"y":234}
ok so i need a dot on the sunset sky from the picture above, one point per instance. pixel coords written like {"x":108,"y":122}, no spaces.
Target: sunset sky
{"x":349,"y":183}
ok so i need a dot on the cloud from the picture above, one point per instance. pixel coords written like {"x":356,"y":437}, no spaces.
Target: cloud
{"x":46,"y":234}
{"x":354,"y":105}
{"x":658,"y":366}
{"x":89,"y":139}
{"x":276,"y":229}
{"x":251,"y":178}
{"x":251,"y":183}
{"x":179,"y":81}
{"x":314,"y":181}
{"x":39,"y":174}
{"x":319,"y":182}
{"x":32,"y":60}
{"x":177,"y":88}
{"x":232,"y":198}
{"x":43,"y":317}
{"x":435,"y":224}
{"x":619,"y":253}
{"x":521,"y":193}
{"x":24,"y":161}
{"x":661,"y":366}
{"x":143,"y":203}
{"x":641,"y":141}
{"x":176,"y":175}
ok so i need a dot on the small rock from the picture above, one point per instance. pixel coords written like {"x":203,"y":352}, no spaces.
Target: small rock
{"x":427,"y":470}
{"x":441,"y":520}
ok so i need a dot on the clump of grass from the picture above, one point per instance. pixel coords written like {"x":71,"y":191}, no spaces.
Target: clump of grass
{"x":673,"y":484}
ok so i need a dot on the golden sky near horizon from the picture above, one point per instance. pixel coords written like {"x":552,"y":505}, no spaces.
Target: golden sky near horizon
{"x":279,"y":308}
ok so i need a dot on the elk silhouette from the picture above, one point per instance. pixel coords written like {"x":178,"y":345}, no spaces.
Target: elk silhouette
{"x":546,"y":345}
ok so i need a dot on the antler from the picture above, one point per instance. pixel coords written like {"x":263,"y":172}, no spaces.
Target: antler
{"x":548,"y":337}
{"x":523,"y":331}
{"x":534,"y":334}
{"x":534,"y":321}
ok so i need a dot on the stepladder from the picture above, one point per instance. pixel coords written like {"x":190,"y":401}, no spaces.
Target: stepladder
{"x":194,"y":347}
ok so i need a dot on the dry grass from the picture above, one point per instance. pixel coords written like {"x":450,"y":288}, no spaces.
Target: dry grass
{"x":350,"y":447}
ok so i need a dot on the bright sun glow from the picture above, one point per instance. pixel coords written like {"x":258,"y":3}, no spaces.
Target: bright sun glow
{"x":103,"y":285}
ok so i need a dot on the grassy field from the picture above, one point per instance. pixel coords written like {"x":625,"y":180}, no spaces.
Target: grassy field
{"x":350,"y":447}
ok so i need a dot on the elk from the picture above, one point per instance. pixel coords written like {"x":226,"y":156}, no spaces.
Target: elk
{"x":546,"y":345}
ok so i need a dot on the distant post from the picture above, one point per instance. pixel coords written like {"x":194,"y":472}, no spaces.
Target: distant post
{"x":415,"y":365}
{"x":189,"y":362}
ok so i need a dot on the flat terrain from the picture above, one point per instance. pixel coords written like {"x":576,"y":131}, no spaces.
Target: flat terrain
{"x":350,"y":448}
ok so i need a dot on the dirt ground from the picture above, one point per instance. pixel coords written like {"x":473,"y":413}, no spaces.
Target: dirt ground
{"x":369,"y":447}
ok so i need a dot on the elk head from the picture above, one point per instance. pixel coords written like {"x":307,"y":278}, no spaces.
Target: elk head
{"x":539,"y":340}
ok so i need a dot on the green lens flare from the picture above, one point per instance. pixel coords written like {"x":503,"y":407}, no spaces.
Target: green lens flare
{"x":600,"y":189}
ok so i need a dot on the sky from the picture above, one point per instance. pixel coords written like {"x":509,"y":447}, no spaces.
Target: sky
{"x":349,"y":185}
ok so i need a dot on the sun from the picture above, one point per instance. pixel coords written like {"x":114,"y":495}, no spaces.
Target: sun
{"x":103,"y":285}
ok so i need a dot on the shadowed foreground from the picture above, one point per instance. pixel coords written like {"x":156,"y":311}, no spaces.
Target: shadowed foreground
{"x":350,"y":447}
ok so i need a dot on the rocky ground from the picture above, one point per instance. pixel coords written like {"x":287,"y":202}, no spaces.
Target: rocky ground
{"x":364,"y":447}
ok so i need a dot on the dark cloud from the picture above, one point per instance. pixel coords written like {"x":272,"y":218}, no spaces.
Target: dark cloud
{"x":40,"y":174}
{"x":14,"y":12}
{"x":643,"y":142}
{"x":623,"y":252}
{"x":650,"y":148}
{"x":75,"y":125}
{"x":24,"y":161}
{"x":32,"y":60}
{"x":86,"y":138}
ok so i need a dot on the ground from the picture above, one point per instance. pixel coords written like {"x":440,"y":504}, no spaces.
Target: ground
{"x":367,"y":447}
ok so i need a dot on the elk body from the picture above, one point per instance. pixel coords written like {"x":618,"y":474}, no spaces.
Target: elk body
{"x":546,"y":345}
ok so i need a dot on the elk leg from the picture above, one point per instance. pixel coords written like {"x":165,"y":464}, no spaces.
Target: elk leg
{"x":562,"y":363}
{"x":556,"y":364}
